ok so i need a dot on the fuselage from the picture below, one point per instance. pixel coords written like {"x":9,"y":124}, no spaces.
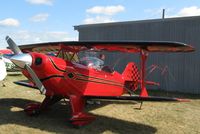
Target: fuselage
{"x":61,"y":77}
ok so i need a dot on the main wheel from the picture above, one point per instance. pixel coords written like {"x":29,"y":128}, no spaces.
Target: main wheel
{"x":32,"y":109}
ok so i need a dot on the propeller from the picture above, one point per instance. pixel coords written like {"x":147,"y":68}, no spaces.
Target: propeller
{"x":36,"y":79}
{"x":24,"y":61}
{"x":13,"y":46}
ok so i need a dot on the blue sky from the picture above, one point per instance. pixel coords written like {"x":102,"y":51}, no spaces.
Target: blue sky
{"x":31,"y":21}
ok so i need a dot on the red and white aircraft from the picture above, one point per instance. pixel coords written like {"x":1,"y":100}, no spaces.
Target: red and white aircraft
{"x":3,"y":62}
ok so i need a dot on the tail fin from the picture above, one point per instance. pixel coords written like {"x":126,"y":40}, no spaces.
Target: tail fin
{"x":131,"y":76}
{"x":132,"y":79}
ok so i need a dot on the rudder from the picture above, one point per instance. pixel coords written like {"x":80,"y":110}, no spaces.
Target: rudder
{"x":131,"y":76}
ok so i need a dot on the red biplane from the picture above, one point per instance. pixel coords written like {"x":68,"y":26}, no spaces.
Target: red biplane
{"x":68,"y":76}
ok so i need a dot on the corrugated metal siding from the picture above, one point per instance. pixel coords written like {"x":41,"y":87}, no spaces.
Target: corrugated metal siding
{"x":184,"y":68}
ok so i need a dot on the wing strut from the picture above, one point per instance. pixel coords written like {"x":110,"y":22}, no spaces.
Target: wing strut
{"x":144,"y":56}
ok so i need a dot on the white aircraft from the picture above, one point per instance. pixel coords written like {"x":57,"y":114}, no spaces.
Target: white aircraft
{"x":10,"y":67}
{"x":3,"y":72}
{"x":5,"y":57}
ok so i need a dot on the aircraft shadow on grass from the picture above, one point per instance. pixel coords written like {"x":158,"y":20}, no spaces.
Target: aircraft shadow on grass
{"x":55,"y":120}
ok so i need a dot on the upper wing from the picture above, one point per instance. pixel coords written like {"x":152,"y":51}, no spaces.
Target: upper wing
{"x":42,"y":48}
{"x":123,"y":46}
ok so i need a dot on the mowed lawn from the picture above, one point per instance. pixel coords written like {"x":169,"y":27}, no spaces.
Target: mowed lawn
{"x":119,"y":117}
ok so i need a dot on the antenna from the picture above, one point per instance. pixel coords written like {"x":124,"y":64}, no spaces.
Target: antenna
{"x":163,"y":14}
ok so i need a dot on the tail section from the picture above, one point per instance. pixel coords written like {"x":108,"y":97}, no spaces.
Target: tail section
{"x":132,"y":79}
{"x":131,"y":76}
{"x":131,"y":72}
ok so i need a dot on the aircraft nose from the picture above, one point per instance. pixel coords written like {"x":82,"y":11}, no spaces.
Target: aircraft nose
{"x":21,"y":60}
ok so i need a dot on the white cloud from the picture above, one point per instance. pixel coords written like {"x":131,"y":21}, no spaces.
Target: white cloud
{"x":40,"y":17}
{"x":57,"y":36}
{"x":189,"y":11}
{"x":104,"y":14}
{"x":27,"y":37}
{"x":106,"y":10}
{"x":98,"y":19}
{"x":22,"y":37}
{"x":9,"y":22}
{"x":40,"y":2}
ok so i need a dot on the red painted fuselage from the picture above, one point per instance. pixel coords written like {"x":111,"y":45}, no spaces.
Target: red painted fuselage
{"x":65,"y":78}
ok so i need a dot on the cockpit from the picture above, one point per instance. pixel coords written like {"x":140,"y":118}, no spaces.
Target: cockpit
{"x":91,"y":59}
{"x":92,"y":62}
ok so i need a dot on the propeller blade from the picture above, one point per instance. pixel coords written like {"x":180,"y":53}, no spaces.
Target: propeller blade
{"x":13,"y":45}
{"x":36,"y":79}
{"x":24,"y":61}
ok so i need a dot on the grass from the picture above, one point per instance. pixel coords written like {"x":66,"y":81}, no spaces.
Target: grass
{"x":119,"y":117}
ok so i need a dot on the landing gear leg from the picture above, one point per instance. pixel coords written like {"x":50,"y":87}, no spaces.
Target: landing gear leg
{"x":3,"y":83}
{"x":79,"y":118}
{"x":141,"y":105}
{"x":34,"y":109}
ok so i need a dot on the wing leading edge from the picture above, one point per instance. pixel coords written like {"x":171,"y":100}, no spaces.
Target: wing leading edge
{"x":122,"y":46}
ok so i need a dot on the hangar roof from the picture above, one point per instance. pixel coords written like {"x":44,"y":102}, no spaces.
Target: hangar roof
{"x":77,"y":27}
